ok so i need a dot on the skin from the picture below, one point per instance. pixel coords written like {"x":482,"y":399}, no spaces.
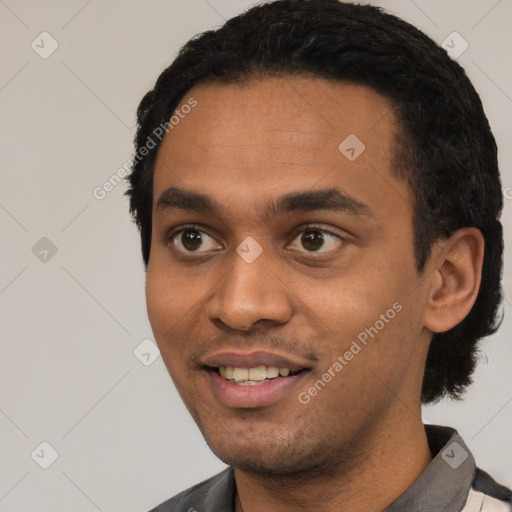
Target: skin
{"x":360,"y":442}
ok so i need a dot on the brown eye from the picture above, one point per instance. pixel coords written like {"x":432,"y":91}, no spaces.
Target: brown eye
{"x":191,"y":240}
{"x":312,"y":240}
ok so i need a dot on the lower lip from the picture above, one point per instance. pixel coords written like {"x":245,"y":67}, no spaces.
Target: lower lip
{"x":251,"y":396}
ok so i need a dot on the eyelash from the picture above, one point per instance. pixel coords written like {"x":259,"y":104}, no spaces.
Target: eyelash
{"x":299,"y":229}
{"x":180,"y":229}
{"x":313,"y":227}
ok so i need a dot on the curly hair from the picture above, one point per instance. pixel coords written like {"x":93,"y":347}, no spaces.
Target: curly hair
{"x":445,"y":149}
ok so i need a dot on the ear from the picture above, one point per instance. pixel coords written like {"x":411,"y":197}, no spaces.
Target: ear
{"x":455,"y":279}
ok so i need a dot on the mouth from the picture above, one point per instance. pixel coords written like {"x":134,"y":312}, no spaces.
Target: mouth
{"x":254,"y":379}
{"x":254,"y":376}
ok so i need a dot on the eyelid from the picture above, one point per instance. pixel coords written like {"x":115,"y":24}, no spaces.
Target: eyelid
{"x":319,"y":227}
{"x":316,"y":255}
{"x":171,"y":235}
{"x":183,"y":227}
{"x":295,"y":232}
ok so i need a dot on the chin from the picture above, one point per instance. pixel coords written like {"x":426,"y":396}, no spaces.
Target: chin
{"x":261,"y":465}
{"x":279,"y":457}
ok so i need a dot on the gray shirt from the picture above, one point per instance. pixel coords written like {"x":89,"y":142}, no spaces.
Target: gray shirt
{"x":450,"y":483}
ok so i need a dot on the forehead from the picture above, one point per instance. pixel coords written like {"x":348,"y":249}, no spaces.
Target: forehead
{"x":273,"y":135}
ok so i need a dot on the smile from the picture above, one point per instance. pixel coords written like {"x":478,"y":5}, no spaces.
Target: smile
{"x":253,"y":376}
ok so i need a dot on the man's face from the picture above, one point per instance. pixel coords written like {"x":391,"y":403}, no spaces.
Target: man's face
{"x":299,"y":248}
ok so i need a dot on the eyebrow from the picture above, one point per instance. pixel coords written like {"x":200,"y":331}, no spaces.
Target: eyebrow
{"x":330,"y":199}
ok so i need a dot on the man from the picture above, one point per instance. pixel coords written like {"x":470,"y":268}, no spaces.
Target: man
{"x":320,"y":227}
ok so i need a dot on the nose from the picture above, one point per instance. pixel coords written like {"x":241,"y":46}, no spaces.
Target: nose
{"x":249,"y":293}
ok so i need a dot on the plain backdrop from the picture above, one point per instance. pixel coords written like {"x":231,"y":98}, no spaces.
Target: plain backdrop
{"x":115,"y":434}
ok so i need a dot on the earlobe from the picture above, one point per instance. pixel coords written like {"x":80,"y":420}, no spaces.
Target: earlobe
{"x":455,"y":279}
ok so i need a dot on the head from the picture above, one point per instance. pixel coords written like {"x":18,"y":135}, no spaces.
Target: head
{"x":264,"y":109}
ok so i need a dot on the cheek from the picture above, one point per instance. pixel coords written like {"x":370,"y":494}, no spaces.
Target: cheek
{"x":351,"y":300}
{"x":165,"y":301}
{"x":156,"y":300}
{"x":368,"y":306}
{"x":163,"y":308}
{"x":174,"y":307}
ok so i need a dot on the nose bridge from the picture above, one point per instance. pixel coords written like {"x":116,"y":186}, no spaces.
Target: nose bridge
{"x":249,"y":291}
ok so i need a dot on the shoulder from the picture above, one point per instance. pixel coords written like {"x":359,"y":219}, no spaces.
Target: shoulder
{"x":215,"y":494}
{"x":486,"y":495}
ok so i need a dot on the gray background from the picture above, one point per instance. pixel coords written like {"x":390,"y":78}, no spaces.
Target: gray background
{"x":72,"y":320}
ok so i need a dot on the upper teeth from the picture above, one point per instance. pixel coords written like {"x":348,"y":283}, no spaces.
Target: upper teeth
{"x":258,"y":373}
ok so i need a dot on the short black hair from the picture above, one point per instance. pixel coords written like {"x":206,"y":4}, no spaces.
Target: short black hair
{"x":445,"y":149}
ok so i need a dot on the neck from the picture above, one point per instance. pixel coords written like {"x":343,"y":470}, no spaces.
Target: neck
{"x":367,"y":479}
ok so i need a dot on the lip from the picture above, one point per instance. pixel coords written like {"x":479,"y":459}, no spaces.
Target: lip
{"x":255,"y":358}
{"x":250,"y":397}
{"x":261,"y":395}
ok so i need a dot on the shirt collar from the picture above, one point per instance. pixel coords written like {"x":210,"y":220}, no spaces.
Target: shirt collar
{"x":445,"y":483}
